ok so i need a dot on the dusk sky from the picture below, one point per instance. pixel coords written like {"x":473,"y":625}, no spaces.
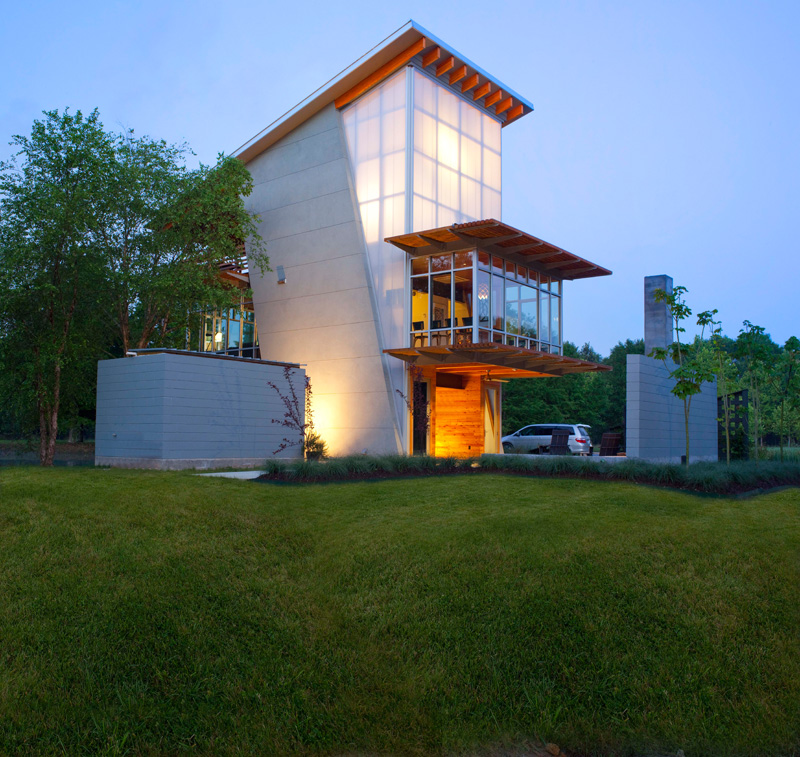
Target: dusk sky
{"x":664,"y":138}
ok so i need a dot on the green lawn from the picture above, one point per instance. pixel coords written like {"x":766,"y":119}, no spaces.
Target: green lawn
{"x":165,"y":613}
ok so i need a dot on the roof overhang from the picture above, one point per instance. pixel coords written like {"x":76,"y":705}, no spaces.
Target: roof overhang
{"x":411,"y":43}
{"x":500,"y":239}
{"x":495,"y":361}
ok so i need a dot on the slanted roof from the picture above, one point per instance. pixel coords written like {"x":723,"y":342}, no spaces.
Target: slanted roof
{"x":500,"y":239}
{"x":411,"y":43}
{"x":494,"y":360}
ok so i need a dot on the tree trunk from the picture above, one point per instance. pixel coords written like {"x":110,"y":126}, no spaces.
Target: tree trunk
{"x":727,"y":435}
{"x":686,"y":424}
{"x":48,"y":421}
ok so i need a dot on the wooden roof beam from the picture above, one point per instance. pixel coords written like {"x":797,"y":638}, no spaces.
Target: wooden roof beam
{"x":443,"y":68}
{"x":433,"y":242}
{"x":554,"y":264}
{"x":482,"y":90}
{"x":384,"y":71}
{"x":504,"y":105}
{"x":514,"y":114}
{"x":458,"y":75}
{"x":431,"y":57}
{"x":470,"y":82}
{"x":493,"y":98}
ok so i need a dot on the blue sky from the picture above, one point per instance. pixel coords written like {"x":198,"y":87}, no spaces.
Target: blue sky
{"x":664,"y":138}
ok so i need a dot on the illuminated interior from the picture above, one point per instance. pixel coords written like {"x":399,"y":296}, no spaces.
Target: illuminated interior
{"x":515,"y":305}
{"x":229,"y":332}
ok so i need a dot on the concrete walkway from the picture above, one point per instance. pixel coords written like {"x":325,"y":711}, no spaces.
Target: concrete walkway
{"x":241,"y":474}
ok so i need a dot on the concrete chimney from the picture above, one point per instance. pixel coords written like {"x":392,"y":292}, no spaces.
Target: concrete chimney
{"x":657,"y":320}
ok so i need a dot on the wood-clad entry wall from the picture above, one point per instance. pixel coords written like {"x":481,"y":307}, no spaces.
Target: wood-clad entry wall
{"x":458,"y":419}
{"x":458,"y":415}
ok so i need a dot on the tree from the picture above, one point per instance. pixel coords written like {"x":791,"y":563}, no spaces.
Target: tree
{"x":784,"y":376}
{"x":690,"y":372}
{"x":596,"y":399}
{"x":165,"y":232}
{"x":721,"y":366}
{"x":754,"y":350}
{"x":106,"y":237}
{"x":50,"y":267}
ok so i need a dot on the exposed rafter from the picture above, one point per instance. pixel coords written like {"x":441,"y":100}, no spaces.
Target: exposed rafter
{"x":458,"y":75}
{"x":499,"y":239}
{"x":431,"y":56}
{"x":502,"y":361}
{"x":493,"y":98}
{"x":471,"y":82}
{"x":446,"y":66}
{"x":482,"y":90}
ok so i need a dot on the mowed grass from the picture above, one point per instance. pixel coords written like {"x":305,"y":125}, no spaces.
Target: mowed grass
{"x":151,"y":613}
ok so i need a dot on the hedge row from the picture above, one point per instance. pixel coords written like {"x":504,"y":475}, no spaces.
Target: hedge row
{"x":715,"y":478}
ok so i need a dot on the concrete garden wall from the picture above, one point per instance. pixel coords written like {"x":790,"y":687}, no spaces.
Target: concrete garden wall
{"x":655,"y":427}
{"x":175,"y":410}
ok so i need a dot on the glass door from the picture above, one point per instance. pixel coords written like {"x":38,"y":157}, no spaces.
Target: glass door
{"x":491,"y":419}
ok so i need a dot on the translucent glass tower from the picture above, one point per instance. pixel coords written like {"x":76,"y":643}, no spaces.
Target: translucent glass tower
{"x":421,"y":157}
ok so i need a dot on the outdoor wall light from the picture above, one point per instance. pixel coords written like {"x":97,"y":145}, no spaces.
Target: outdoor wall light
{"x":281,"y":275}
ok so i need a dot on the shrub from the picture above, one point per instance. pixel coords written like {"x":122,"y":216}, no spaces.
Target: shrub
{"x":704,"y":476}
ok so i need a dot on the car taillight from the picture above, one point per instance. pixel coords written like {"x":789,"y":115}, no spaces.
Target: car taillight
{"x":581,"y":441}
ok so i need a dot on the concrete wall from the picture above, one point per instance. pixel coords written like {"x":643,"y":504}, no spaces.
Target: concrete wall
{"x":325,"y":314}
{"x":657,"y":318}
{"x":655,"y":419}
{"x":173,"y":411}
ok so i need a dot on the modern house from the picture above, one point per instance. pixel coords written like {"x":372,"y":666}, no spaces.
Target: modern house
{"x":380,"y":199}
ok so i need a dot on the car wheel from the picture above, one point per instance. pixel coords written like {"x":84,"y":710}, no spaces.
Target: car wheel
{"x":508,"y":448}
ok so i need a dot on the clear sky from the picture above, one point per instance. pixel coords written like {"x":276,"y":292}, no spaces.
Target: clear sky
{"x":664,"y":139}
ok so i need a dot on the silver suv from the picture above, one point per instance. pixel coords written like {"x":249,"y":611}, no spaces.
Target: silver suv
{"x":535,"y":439}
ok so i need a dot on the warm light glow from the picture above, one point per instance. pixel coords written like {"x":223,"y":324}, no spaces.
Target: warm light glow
{"x":448,"y":146}
{"x":483,"y":291}
{"x":218,"y":337}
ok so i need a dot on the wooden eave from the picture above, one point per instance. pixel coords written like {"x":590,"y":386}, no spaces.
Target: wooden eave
{"x":452,"y":71}
{"x":494,"y":361}
{"x":409,"y":45}
{"x":499,"y":239}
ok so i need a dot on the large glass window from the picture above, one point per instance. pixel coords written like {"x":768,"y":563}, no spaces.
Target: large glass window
{"x":228,"y":332}
{"x":462,"y":302}
{"x":420,"y":303}
{"x":528,"y":312}
{"x":484,"y":291}
{"x":544,"y":316}
{"x":441,"y":301}
{"x":498,"y":315}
